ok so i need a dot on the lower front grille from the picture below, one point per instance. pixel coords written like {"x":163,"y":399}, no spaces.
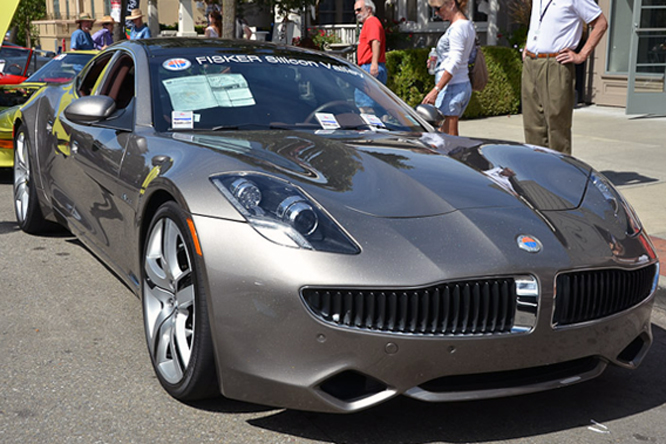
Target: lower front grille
{"x":589,"y":295}
{"x":454,"y":308}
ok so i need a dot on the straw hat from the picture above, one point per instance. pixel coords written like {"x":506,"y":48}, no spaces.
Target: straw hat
{"x":106,"y":20}
{"x":136,"y":13}
{"x":84,"y":18}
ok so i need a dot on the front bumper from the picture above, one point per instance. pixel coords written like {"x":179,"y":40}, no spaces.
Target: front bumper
{"x":270,"y":349}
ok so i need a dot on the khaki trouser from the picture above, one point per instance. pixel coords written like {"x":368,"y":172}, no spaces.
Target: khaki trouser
{"x":548,"y":101}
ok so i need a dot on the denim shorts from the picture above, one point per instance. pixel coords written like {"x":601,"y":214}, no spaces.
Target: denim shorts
{"x":453,"y":99}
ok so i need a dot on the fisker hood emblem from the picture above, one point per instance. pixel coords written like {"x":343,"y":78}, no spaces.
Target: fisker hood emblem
{"x":529,"y":243}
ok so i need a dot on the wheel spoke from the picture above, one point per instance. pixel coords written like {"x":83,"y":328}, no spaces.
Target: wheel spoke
{"x":155,"y":261}
{"x":185,"y":297}
{"x":21,"y":199}
{"x":165,"y":355}
{"x":158,"y":306}
{"x":175,"y":254}
{"x":184,"y":325}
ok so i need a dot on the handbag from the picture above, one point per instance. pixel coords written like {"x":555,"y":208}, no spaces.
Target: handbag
{"x":478,"y":70}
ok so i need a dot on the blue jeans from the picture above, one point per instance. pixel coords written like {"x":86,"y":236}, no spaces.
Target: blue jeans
{"x":362,"y":100}
{"x":382,"y":76}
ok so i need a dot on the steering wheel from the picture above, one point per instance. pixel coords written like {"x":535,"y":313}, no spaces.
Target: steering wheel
{"x":331,"y":104}
{"x":15,"y":67}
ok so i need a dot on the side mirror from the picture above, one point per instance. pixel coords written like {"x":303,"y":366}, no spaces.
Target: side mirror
{"x":430,"y":114}
{"x":90,"y":109}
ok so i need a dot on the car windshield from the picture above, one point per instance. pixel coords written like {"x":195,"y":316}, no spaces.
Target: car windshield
{"x":61,"y":69}
{"x":260,"y":90}
{"x":13,"y":59}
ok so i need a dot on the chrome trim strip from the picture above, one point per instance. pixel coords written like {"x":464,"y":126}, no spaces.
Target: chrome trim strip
{"x":358,"y":404}
{"x":424,"y":395}
{"x":527,"y":304}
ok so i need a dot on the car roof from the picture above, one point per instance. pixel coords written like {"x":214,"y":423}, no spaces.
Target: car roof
{"x":170,"y":45}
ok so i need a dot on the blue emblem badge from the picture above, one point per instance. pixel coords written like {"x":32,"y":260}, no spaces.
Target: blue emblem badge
{"x":528,"y":243}
{"x":176,"y":64}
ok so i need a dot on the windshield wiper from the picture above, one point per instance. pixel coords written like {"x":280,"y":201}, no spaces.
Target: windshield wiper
{"x":235,"y":127}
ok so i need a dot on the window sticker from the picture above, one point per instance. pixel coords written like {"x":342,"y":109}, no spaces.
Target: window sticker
{"x":208,"y":91}
{"x":177,"y":64}
{"x":230,"y":90}
{"x":59,"y":57}
{"x":371,"y":119}
{"x":182,"y":119}
{"x":2,"y":66}
{"x":327,"y":121}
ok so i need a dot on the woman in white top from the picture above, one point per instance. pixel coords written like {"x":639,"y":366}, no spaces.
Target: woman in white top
{"x":214,"y":30}
{"x":453,"y":90}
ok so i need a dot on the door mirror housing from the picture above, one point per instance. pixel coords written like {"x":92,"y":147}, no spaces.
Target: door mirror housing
{"x":430,"y":114}
{"x":90,"y":109}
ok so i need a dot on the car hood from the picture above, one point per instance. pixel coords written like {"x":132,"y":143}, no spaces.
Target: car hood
{"x":406,"y":175}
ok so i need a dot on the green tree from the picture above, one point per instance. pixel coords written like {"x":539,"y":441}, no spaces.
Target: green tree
{"x":28,"y":10}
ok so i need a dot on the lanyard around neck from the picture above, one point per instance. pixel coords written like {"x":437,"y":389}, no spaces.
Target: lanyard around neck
{"x":543,"y":11}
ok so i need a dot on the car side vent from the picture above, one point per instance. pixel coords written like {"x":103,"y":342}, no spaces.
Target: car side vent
{"x":589,"y":295}
{"x":454,"y":308}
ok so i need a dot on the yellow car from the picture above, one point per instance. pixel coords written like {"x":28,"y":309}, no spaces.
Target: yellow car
{"x":61,"y":69}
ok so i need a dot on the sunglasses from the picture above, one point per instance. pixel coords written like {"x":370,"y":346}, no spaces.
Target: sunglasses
{"x":437,"y":8}
{"x":358,"y":9}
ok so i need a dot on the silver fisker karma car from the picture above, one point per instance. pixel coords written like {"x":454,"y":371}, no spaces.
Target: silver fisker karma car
{"x":299,"y":237}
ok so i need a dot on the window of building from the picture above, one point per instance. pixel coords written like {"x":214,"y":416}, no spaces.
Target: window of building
{"x":621,"y":15}
{"x":477,"y":10}
{"x":332,"y":12}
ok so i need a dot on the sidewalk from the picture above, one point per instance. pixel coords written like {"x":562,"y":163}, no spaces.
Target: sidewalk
{"x":629,"y":150}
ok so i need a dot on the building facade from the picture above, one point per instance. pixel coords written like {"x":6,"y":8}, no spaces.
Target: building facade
{"x":603,"y":79}
{"x":61,"y":15}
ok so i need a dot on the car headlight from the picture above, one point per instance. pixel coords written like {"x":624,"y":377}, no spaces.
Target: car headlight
{"x":617,"y":203}
{"x":283,"y":214}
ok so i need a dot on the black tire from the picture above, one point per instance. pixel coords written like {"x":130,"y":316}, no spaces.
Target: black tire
{"x":26,"y":204}
{"x":174,"y":309}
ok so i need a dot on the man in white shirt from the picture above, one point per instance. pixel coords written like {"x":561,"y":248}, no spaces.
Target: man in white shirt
{"x":548,"y":81}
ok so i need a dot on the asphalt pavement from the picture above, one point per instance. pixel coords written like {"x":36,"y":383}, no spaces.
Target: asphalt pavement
{"x":629,"y":150}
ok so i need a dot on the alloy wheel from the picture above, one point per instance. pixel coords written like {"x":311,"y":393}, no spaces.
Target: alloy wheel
{"x":169,"y":300}
{"x":21,"y":177}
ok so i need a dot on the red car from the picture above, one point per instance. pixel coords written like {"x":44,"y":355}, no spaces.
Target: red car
{"x":18,"y":63}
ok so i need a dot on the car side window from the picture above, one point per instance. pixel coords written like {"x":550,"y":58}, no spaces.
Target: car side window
{"x":92,"y":73}
{"x":119,"y":84}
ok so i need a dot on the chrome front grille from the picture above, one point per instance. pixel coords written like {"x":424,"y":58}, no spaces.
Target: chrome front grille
{"x":475,"y":307}
{"x":589,"y":295}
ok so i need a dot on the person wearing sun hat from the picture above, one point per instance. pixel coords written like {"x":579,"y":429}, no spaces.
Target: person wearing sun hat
{"x":81,"y":39}
{"x":140,"y":29}
{"x":104,"y":37}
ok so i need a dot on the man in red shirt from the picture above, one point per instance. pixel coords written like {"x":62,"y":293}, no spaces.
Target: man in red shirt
{"x":371,"y":51}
